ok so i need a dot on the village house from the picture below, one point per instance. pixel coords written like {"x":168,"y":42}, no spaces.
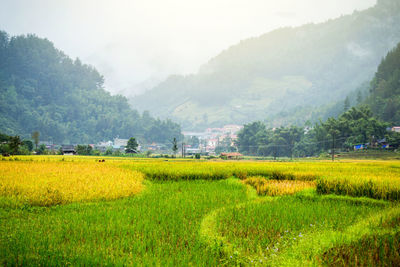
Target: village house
{"x":396,"y":129}
{"x":211,"y":144}
{"x":232,"y":128}
{"x":68,"y":150}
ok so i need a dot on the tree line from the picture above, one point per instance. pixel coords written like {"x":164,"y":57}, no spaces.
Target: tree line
{"x":356,"y":126}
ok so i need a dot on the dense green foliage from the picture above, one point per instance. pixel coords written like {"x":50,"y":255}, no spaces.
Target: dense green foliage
{"x":132,"y":145}
{"x":42,"y":89}
{"x":354,"y":127}
{"x":13,"y":145}
{"x":84,"y":150}
{"x":284,"y":76}
{"x":255,"y":139}
{"x":385,"y":89}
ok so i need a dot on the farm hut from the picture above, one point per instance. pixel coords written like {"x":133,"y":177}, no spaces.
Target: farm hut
{"x":68,"y":150}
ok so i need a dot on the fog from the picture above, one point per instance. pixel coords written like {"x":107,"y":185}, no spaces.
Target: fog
{"x":137,"y":43}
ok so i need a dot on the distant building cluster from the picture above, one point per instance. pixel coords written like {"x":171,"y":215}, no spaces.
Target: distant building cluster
{"x":117,"y":144}
{"x":208,"y":141}
{"x":380,"y":143}
{"x":211,"y":138}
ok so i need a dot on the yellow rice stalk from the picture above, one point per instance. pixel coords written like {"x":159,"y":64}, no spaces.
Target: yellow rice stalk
{"x":52,"y":183}
{"x":277,"y":187}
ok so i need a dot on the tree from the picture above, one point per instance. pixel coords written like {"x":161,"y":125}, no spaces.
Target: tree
{"x":35,"y":137}
{"x":42,"y":150}
{"x":249,"y":137}
{"x":84,"y":150}
{"x":385,"y":89}
{"x":132,"y":145}
{"x":109,"y":151}
{"x":4,"y":138}
{"x":15,"y":142}
{"x":174,"y":146}
{"x":28,"y":144}
{"x":393,"y":139}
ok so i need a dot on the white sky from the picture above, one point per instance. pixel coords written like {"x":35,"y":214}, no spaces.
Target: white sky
{"x":135,"y":43}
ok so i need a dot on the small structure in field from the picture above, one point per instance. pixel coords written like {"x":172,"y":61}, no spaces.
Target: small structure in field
{"x":68,"y":150}
{"x":233,"y":155}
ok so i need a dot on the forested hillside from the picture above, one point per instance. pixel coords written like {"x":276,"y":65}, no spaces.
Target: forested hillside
{"x":368,"y":124}
{"x":284,"y":77}
{"x":385,"y":89}
{"x":42,"y":89}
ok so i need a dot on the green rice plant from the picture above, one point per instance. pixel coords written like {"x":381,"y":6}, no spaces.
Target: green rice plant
{"x":262,"y":230}
{"x":375,"y":250}
{"x":159,"y":227}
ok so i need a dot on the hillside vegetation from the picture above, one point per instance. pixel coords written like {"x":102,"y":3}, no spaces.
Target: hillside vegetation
{"x":43,"y":89}
{"x":385,"y":89}
{"x":281,"y":76}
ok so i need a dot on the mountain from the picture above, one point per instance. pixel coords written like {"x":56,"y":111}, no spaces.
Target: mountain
{"x":42,"y":89}
{"x":285,"y":76}
{"x":384,"y":98}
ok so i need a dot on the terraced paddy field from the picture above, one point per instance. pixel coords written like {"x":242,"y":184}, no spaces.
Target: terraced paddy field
{"x":58,"y":210}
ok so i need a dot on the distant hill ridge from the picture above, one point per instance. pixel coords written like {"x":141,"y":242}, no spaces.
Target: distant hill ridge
{"x":42,"y":89}
{"x":284,"y":76}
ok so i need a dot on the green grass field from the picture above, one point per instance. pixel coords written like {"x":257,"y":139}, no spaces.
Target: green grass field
{"x":191,"y":213}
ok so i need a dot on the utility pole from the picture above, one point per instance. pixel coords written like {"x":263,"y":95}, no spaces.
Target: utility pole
{"x":183,"y":150}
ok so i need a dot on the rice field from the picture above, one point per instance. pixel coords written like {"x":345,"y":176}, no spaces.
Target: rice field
{"x":58,"y":211}
{"x":52,"y":183}
{"x":266,"y":187}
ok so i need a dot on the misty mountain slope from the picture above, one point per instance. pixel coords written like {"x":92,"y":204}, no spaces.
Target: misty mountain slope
{"x":384,"y":99}
{"x":42,"y":89}
{"x":287,"y":69}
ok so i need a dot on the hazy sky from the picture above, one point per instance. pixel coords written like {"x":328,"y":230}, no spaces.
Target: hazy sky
{"x":135,"y":43}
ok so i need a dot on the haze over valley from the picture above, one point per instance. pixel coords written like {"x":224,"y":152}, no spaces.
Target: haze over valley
{"x":288,"y":76}
{"x":137,"y":44}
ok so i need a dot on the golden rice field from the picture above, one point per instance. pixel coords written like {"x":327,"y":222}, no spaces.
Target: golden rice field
{"x":274,"y":188}
{"x":375,"y":179}
{"x":51,"y":183}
